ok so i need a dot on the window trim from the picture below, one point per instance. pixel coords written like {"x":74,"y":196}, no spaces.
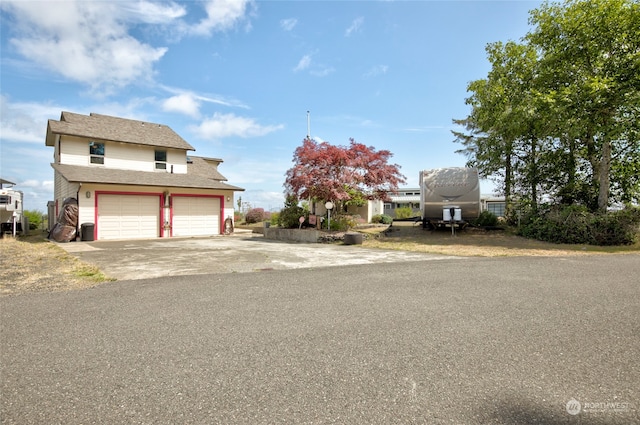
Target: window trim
{"x":159,"y":163}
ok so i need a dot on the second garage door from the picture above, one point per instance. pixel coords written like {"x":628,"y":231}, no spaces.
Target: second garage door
{"x":196,"y":216}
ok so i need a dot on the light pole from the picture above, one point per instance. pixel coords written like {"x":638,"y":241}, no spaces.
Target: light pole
{"x":329,"y":207}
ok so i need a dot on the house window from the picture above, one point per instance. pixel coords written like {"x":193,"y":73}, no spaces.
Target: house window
{"x":161,"y":160}
{"x":96,"y":153}
{"x":496,"y":208}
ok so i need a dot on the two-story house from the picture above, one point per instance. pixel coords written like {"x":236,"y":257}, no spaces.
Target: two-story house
{"x":135,"y":179}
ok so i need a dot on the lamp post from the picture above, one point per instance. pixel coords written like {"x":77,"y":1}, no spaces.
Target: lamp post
{"x":329,"y":207}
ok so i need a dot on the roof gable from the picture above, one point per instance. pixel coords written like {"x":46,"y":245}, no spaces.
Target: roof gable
{"x":105,"y":127}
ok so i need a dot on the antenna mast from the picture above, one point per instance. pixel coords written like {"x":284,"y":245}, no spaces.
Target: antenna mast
{"x":308,"y":126}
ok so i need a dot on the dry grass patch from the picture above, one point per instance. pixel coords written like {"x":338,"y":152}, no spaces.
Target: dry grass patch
{"x":406,"y":236}
{"x":30,"y":264}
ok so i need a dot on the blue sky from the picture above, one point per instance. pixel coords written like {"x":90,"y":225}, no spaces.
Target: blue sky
{"x":236,"y":78}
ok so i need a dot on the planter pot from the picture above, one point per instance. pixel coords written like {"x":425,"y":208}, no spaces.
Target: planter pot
{"x":353,"y":239}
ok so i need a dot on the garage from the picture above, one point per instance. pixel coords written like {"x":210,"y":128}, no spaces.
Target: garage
{"x":131,"y":216}
{"x":196,"y":215}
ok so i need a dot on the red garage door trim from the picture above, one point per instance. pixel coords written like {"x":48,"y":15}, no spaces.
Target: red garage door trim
{"x":220,"y":197}
{"x":160,"y":196}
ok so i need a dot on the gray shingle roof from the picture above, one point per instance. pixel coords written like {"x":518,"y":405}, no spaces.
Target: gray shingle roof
{"x":104,"y":127}
{"x":202,"y":167}
{"x":82,"y":174}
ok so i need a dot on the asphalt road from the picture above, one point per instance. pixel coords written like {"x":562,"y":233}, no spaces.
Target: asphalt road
{"x":483,"y":341}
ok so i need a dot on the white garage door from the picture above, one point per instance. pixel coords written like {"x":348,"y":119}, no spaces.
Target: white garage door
{"x":128,"y":216}
{"x":196,"y":216}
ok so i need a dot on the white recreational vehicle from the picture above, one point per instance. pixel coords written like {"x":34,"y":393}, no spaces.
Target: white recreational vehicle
{"x":12,"y":219}
{"x":449,"y":196}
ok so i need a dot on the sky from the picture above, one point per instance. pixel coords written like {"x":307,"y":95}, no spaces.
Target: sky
{"x":245,"y":81}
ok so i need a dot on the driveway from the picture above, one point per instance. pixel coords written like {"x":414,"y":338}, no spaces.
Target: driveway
{"x":510,"y":341}
{"x":239,"y":253}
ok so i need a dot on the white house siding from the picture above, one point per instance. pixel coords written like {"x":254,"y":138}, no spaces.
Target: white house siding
{"x":74,"y":151}
{"x":86,"y":205}
{"x":196,"y":215}
{"x":124,"y":156}
{"x":121,"y":156}
{"x":63,"y":189}
{"x":177,"y":159}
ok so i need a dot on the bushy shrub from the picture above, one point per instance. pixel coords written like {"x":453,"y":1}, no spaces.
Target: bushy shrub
{"x":486,"y":218}
{"x":254,"y":215}
{"x":35,"y":218}
{"x":404,"y":212}
{"x":343,"y":222}
{"x":577,"y":225}
{"x":382,"y":218}
{"x":275,"y":217}
{"x":290,"y":214}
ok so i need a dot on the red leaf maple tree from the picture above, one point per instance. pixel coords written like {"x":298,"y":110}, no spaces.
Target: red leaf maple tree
{"x":326,"y":172}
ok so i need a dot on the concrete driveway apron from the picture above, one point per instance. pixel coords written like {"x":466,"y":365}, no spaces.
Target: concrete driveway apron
{"x":238,"y":253}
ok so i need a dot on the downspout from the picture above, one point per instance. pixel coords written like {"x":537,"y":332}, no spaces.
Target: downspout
{"x":78,"y":219}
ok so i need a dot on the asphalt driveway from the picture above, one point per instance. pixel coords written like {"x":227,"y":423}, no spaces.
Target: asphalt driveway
{"x":513,"y":341}
{"x":241,"y":252}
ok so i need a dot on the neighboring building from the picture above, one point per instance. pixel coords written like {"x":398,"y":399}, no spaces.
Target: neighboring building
{"x":410,"y":197}
{"x":406,"y":197}
{"x":493,"y":204}
{"x":135,"y":179}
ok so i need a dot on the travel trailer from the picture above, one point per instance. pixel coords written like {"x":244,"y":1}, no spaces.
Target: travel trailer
{"x":449,"y":197}
{"x":12,"y":219}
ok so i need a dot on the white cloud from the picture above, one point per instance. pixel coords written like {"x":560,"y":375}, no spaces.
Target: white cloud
{"x":25,"y":122}
{"x":288,"y":24}
{"x":376,"y":70}
{"x":216,"y":99}
{"x":83,"y":41}
{"x":153,"y":12}
{"x":269,"y":201}
{"x":322,"y":72}
{"x":90,"y":42}
{"x":303,"y":63}
{"x":222,"y":15}
{"x":227,"y":125}
{"x":355,"y":26}
{"x":184,"y":103}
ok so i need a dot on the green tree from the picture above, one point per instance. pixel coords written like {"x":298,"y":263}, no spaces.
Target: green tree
{"x":504,"y":124}
{"x":589,"y":64}
{"x":291,"y":213}
{"x":558,"y":113}
{"x":35,"y":217}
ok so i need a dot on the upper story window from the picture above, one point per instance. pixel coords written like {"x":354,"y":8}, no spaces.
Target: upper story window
{"x":161,"y":160}
{"x":96,"y":153}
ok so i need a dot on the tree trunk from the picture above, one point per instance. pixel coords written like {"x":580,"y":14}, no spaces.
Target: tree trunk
{"x":569,"y":196}
{"x":508,"y":171}
{"x":603,"y":177}
{"x":533,"y":174}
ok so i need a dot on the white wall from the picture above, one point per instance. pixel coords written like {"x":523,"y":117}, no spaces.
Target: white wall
{"x":122,"y":156}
